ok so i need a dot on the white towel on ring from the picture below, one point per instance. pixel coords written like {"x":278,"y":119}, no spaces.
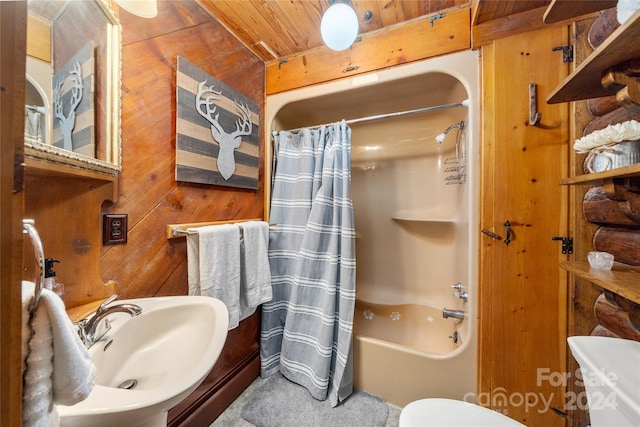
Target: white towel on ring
{"x":27,"y":297}
{"x":58,"y":367}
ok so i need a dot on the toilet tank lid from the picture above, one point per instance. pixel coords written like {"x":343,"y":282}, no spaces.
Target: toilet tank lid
{"x":610,"y":363}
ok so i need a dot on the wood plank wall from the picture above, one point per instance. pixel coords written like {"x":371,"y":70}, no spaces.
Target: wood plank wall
{"x":13,"y":19}
{"x":68,"y":209}
{"x":149,"y":264}
{"x":586,"y":300}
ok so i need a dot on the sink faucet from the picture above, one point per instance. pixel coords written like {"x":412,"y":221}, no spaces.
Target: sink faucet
{"x":88,"y":327}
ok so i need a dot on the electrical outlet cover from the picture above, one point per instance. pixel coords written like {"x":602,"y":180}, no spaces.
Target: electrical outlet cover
{"x":114,"y":229}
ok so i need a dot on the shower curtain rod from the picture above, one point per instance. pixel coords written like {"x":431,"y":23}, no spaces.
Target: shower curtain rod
{"x":464,"y":103}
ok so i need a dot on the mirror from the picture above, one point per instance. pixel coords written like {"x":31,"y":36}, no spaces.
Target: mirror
{"x":72,"y":112}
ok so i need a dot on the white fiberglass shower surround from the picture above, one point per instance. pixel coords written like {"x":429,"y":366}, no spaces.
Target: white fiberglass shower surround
{"x":415,"y":206}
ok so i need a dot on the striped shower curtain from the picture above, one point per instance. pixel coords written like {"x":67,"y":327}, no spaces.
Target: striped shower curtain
{"x":307,"y":327}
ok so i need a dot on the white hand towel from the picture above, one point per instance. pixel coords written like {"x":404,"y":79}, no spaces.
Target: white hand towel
{"x":28,"y":289}
{"x":58,"y":369}
{"x":255,"y":282}
{"x":37,"y":351}
{"x":218,"y":273}
{"x":74,"y":374}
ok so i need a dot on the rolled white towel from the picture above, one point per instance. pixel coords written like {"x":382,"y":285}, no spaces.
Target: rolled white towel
{"x":58,"y":368}
{"x":28,"y":289}
{"x":74,"y":374}
{"x":626,"y":8}
{"x":37,"y":400}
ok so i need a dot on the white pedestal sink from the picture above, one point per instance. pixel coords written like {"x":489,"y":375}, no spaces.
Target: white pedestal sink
{"x":147,"y":364}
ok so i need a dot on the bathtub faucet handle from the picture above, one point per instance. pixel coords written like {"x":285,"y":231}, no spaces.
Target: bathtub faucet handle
{"x":464,"y":296}
{"x":459,"y":293}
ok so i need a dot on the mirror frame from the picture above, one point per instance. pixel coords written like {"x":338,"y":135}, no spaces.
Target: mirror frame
{"x":112,"y":164}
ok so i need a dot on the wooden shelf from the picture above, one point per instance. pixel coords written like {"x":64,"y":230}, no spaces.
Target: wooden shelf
{"x":622,"y":280}
{"x":598,"y":178}
{"x":40,"y":167}
{"x":562,"y":10}
{"x":622,"y":45}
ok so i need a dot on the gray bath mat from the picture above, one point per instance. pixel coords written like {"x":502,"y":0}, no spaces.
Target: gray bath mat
{"x":280,"y":403}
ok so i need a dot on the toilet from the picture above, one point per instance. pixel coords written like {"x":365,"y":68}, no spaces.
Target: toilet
{"x":449,"y":413}
{"x":610,"y":371}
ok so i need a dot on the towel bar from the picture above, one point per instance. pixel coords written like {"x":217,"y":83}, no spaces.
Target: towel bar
{"x":180,"y":230}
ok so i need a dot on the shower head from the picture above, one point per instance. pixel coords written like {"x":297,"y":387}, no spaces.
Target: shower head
{"x":441,"y":136}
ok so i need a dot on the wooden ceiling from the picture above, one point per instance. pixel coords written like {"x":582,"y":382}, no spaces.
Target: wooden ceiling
{"x":276,"y":29}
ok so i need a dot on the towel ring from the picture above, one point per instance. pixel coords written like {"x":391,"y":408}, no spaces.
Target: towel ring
{"x":30,"y":229}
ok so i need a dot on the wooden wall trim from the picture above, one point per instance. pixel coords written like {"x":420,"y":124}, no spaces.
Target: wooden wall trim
{"x":413,"y":41}
{"x":13,"y":20}
{"x":487,"y":163}
{"x":510,"y":25}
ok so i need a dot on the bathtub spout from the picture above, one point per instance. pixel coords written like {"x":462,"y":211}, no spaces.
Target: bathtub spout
{"x":456,"y":314}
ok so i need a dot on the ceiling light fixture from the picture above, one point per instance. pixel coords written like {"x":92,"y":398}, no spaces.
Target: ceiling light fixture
{"x":339,"y":26}
{"x":142,"y":8}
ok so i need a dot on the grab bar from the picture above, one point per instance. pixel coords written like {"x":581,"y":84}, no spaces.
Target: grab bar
{"x":30,"y":229}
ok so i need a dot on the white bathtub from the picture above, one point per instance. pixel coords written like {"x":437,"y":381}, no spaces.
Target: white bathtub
{"x":415,"y":205}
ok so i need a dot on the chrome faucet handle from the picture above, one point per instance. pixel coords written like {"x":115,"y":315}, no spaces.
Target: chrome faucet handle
{"x":459,"y":293}
{"x":106,"y":302}
{"x":457,"y":287}
{"x":464,"y":295}
{"x":101,"y":331}
{"x":79,"y":326}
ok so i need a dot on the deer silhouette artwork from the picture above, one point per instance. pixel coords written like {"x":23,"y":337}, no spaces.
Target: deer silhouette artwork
{"x":67,"y":123}
{"x":227,"y":142}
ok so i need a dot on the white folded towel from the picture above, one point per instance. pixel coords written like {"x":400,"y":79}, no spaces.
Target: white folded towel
{"x":58,"y":368}
{"x":255,"y":277}
{"x":213,"y":256}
